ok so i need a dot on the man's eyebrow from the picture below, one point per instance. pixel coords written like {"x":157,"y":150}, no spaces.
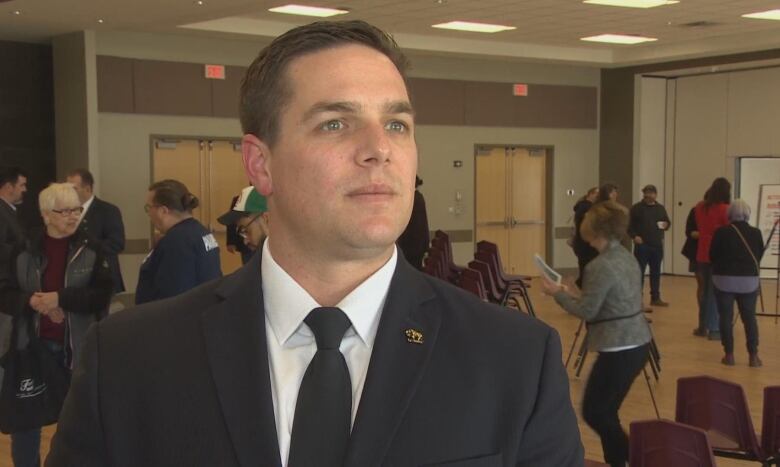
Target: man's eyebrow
{"x":326,"y":106}
{"x":399,"y":107}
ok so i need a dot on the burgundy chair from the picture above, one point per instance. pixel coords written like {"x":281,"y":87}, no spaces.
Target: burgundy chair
{"x":491,"y":247}
{"x":720,"y":408}
{"x":451,"y":269}
{"x":433,"y":264}
{"x":471,"y":280}
{"x":770,"y":427}
{"x":519,"y":288}
{"x":663,"y":443}
{"x":492,"y":292}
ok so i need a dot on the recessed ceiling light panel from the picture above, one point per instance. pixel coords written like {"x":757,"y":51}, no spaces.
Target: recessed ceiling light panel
{"x":769,"y":14}
{"x":305,"y":10}
{"x":618,"y":39}
{"x":473,"y":27}
{"x":632,"y":3}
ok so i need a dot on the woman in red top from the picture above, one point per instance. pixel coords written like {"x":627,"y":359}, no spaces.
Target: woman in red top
{"x":711,"y":214}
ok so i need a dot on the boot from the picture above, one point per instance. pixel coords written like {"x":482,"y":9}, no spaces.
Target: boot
{"x":728,"y":359}
{"x":754,"y":361}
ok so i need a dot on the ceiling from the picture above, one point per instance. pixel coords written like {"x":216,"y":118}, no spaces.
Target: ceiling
{"x":547,"y":30}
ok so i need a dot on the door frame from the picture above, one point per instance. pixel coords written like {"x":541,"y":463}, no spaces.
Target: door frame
{"x":548,"y":188}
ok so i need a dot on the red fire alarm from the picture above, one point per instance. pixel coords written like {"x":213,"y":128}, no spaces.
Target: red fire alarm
{"x":520,"y":90}
{"x":215,"y":71}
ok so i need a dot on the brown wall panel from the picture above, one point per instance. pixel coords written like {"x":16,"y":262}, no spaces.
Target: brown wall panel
{"x":171,"y":88}
{"x":115,"y":84}
{"x":550,"y":106}
{"x":489,"y":104}
{"x":438,"y":101}
{"x":225,"y":92}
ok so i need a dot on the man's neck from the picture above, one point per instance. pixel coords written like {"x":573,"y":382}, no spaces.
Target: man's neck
{"x":326,"y":279}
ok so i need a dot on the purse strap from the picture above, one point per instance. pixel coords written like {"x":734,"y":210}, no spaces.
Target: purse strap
{"x":744,"y":242}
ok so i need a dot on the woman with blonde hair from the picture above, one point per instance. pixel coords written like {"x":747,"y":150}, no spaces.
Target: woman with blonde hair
{"x":611,"y":305}
{"x":62,"y":283}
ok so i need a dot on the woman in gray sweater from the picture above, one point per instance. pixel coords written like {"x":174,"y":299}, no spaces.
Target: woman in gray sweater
{"x":611,"y":305}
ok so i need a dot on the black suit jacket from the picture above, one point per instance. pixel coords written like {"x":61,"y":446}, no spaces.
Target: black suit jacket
{"x":103,"y":222}
{"x":185,"y":382}
{"x":11,"y":234}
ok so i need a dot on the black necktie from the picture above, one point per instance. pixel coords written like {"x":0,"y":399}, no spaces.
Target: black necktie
{"x":323,"y":411}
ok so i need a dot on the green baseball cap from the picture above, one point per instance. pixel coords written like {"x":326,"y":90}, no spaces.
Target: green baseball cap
{"x":249,"y":202}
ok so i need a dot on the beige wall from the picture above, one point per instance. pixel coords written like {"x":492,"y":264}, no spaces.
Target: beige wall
{"x":124,"y":147}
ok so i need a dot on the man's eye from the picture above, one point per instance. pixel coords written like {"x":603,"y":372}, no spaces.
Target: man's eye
{"x":332,"y":125}
{"x":397,"y":126}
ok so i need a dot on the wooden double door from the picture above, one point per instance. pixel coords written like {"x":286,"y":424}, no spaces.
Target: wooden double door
{"x":511,"y":204}
{"x":213,"y":171}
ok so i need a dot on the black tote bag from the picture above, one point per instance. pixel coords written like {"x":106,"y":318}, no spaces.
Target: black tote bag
{"x":34,"y":386}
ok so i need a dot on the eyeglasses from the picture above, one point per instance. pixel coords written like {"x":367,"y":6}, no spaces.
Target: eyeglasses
{"x":69,"y":211}
{"x":148,"y":207}
{"x":243,"y":230}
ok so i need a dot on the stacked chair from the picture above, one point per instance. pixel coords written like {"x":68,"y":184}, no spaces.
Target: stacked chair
{"x":484,"y":276}
{"x":720,"y":409}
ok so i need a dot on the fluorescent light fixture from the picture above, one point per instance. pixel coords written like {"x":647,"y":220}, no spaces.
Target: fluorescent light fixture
{"x":473,"y":27}
{"x":304,"y":10}
{"x":632,"y":3}
{"x":769,"y":14}
{"x":618,"y":39}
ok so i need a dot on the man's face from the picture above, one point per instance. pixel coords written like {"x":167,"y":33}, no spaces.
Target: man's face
{"x":18,"y":190}
{"x":252,"y":230}
{"x":340,"y":177}
{"x":650,"y":196}
{"x":84,"y":191}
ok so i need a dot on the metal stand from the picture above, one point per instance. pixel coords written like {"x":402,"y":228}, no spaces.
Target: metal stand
{"x":776,"y":314}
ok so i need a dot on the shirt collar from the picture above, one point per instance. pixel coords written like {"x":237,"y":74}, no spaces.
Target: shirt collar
{"x":88,"y":203}
{"x":287,"y":303}
{"x":10,"y":204}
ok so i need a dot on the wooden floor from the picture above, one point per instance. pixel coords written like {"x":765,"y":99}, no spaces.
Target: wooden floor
{"x":682,"y":355}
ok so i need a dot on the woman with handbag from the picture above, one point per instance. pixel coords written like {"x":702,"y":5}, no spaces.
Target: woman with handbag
{"x":56,"y":288}
{"x":735,"y":253}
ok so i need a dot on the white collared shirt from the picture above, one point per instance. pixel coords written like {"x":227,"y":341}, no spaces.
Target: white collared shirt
{"x":10,"y":204}
{"x":86,"y":206}
{"x":291,"y":344}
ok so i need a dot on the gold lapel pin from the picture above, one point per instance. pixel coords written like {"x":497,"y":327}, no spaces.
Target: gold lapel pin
{"x":414,"y":336}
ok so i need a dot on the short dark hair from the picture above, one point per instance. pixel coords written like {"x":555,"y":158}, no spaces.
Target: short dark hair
{"x":605,"y":190}
{"x":174,"y":195}
{"x":606,"y":219}
{"x":85,"y":175}
{"x":719,"y":192}
{"x":11,"y":175}
{"x":265,"y":90}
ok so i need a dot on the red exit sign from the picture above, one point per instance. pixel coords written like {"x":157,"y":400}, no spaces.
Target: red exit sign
{"x":215,"y":71}
{"x":520,"y":90}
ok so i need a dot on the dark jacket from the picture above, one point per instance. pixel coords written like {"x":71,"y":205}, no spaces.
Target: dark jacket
{"x":103,"y":221}
{"x":185,"y":257}
{"x":644,"y":220}
{"x":84,"y":298}
{"x":691,"y":244}
{"x":186,"y":382}
{"x":728,"y":254}
{"x":416,"y":238}
{"x":11,"y":233}
{"x":582,"y":248}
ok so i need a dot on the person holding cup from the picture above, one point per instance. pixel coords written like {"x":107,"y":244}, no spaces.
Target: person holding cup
{"x":648,"y":222}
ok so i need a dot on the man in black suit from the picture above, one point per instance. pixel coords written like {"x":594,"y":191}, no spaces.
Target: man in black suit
{"x":13,"y":185}
{"x":327,"y":349}
{"x":102,"y":221}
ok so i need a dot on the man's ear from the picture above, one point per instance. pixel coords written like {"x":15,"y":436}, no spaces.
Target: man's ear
{"x":257,"y":163}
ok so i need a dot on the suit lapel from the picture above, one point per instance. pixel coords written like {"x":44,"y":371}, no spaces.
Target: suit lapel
{"x":396,"y":366}
{"x":234,"y":331}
